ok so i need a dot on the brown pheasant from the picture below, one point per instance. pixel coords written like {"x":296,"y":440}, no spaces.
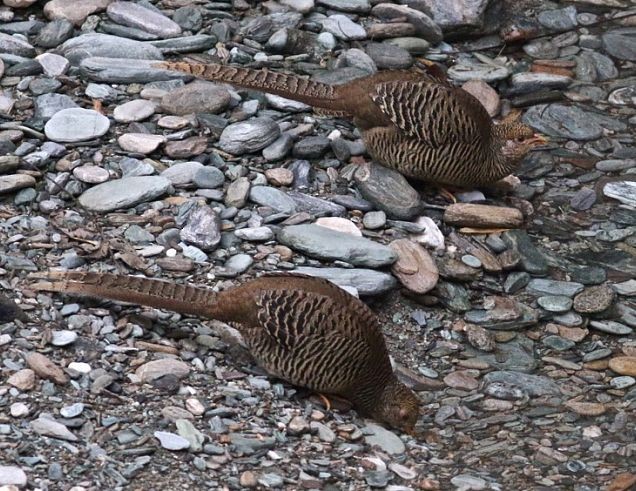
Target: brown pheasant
{"x":411,"y":121}
{"x":305,"y":330}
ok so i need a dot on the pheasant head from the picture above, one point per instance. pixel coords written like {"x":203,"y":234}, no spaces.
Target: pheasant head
{"x":515,"y":140}
{"x":398,"y":406}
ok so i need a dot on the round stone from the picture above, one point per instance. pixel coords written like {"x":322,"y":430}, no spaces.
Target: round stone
{"x":91,"y":174}
{"x":75,"y":125}
{"x":555,"y":303}
{"x":471,"y":261}
{"x":136,"y":110}
{"x":594,"y":299}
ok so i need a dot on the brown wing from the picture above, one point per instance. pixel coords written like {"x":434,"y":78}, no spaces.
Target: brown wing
{"x":357,"y":320}
{"x":432,"y":112}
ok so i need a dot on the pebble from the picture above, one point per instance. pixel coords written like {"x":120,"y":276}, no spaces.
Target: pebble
{"x":248,"y":136}
{"x":136,"y":110}
{"x":414,"y":268}
{"x":137,"y":16}
{"x":461,"y":379}
{"x":76,"y":125}
{"x":196,"y":97}
{"x":12,"y":476}
{"x":343,"y":28}
{"x":466,"y":482}
{"x":365,"y":281}
{"x":611,"y":327}
{"x":63,"y":338}
{"x":153,"y":370}
{"x":388,"y":190}
{"x":339,"y":225}
{"x":555,"y":303}
{"x":552,"y":287}
{"x":11,"y":183}
{"x":171,"y":441}
{"x":49,"y":427}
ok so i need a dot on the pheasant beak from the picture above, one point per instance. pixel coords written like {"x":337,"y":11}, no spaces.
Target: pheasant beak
{"x":538,"y":139}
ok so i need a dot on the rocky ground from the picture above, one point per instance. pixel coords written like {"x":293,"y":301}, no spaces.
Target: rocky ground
{"x":515,"y":323}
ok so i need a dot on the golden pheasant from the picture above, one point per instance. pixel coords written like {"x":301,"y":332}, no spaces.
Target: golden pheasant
{"x":305,"y":330}
{"x":414,"y":122}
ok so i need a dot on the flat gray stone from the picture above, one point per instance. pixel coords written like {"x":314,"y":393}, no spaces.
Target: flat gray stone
{"x":126,"y":70}
{"x":621,"y":43}
{"x":104,"y":45}
{"x":344,"y":28}
{"x":273,"y":198}
{"x":533,"y":385}
{"x":124,"y":193}
{"x":75,"y":125}
{"x":572,"y":122}
{"x":365,"y":281}
{"x":171,"y":441}
{"x":543,"y":286}
{"x":148,"y":20}
{"x":324,"y":243}
{"x":248,"y":136}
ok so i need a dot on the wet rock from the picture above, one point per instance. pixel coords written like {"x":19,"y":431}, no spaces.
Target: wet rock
{"x":552,"y":287}
{"x":621,"y":43}
{"x":531,"y":259}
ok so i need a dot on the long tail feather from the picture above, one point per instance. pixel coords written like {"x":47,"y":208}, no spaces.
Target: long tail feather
{"x":160,"y":294}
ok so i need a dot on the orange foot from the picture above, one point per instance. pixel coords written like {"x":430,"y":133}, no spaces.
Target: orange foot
{"x":447,"y":194}
{"x":325,"y":401}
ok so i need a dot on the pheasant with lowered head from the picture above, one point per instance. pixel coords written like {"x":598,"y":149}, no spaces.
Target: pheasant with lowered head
{"x":411,"y":121}
{"x":305,"y":330}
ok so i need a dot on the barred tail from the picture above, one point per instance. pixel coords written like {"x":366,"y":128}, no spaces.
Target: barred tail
{"x":160,"y":294}
{"x":289,"y":86}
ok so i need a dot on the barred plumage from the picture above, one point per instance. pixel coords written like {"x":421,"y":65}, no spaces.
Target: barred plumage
{"x":411,"y":121}
{"x":305,"y":330}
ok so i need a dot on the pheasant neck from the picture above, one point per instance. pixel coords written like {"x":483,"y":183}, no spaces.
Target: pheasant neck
{"x":497,"y":165}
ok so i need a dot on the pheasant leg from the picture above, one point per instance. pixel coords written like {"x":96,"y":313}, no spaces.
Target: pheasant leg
{"x":447,"y":194}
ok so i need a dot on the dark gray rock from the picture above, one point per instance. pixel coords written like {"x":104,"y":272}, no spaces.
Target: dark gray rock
{"x":532,"y":260}
{"x":389,"y":191}
{"x":249,"y":136}
{"x":317,"y":207}
{"x":533,"y":385}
